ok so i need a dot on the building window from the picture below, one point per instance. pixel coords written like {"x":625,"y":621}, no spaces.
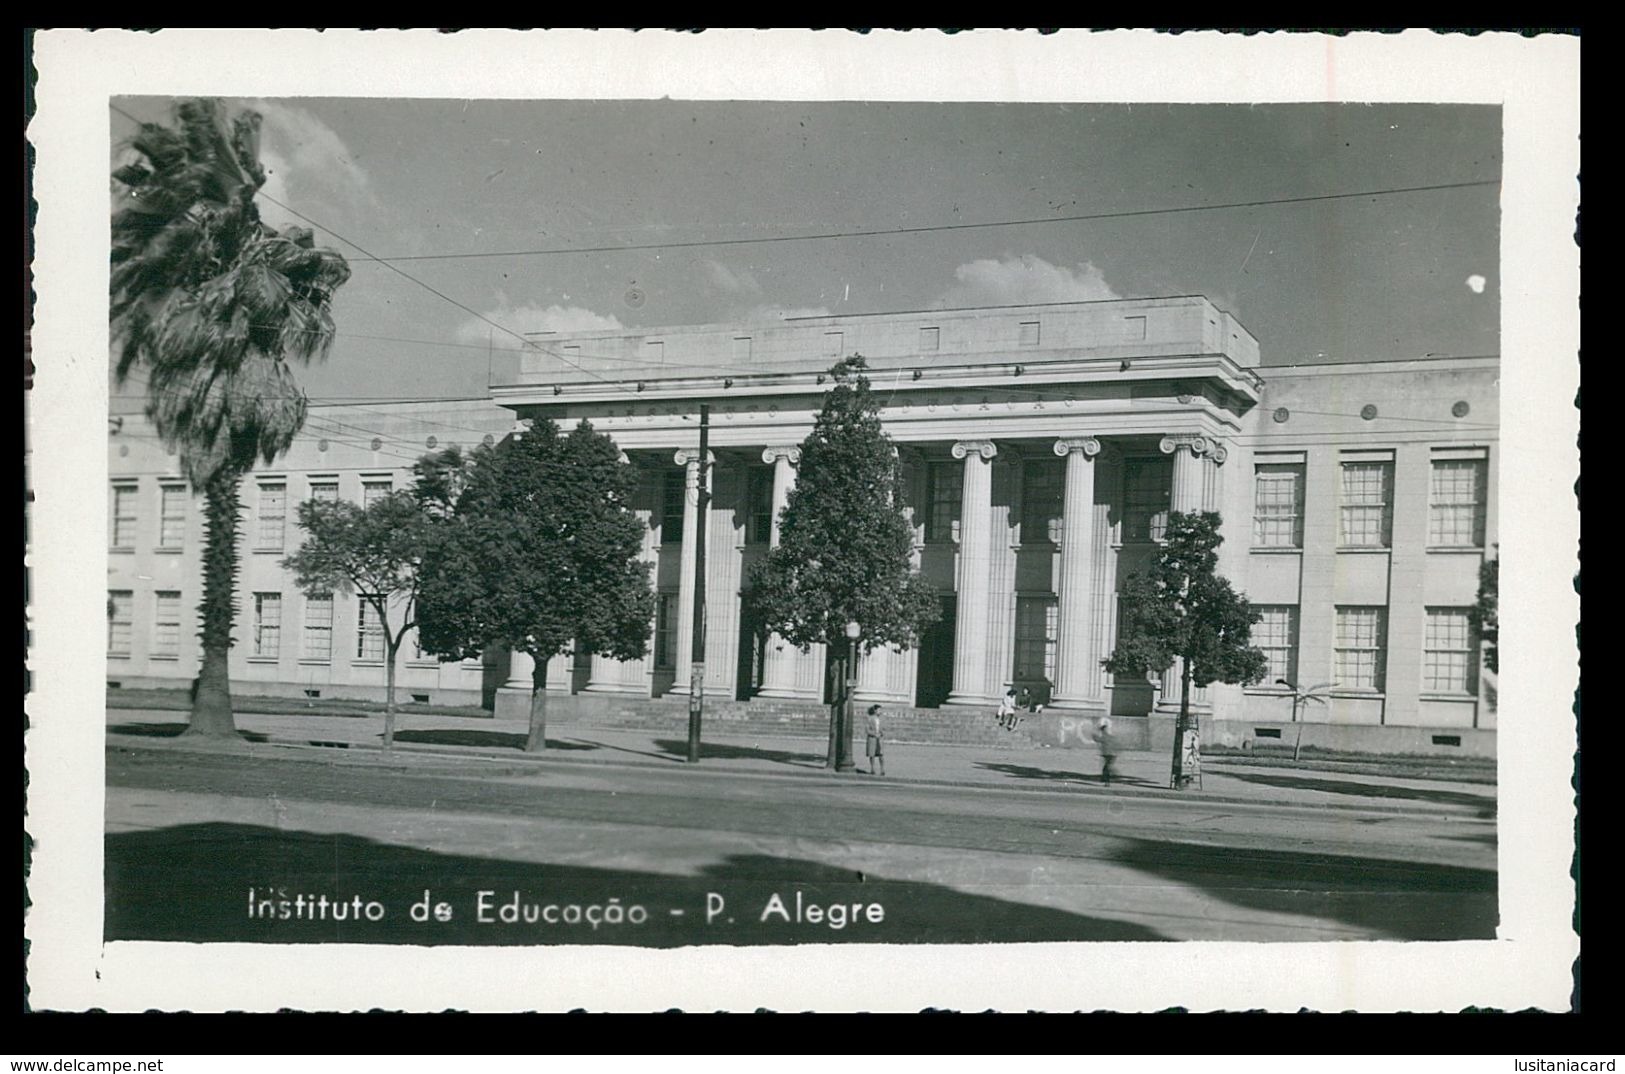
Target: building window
{"x":666,"y":631}
{"x":1147,"y":485}
{"x":124,"y":516}
{"x":166,"y":624}
{"x":1449,"y":665}
{"x":1037,"y":624}
{"x":324,"y":491}
{"x":673,"y":496}
{"x":120,"y":615}
{"x":930,"y":340}
{"x":1278,"y":505}
{"x":1028,"y":334}
{"x":1456,"y":503}
{"x":1043,"y":489}
{"x":741,"y":349}
{"x":375,"y":489}
{"x":1362,"y":644}
{"x":654,"y":350}
{"x":1367,"y":507}
{"x":273,"y":517}
{"x":834,"y":343}
{"x":947,"y":481}
{"x":171,"y":516}
{"x":369,"y":634}
{"x":267,"y":625}
{"x":1276,"y":634}
{"x":319,"y":627}
{"x":759,"y":504}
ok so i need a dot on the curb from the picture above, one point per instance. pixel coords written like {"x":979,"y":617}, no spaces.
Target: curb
{"x":490,"y":755}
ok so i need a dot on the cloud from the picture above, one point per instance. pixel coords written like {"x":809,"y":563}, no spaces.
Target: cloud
{"x":758,"y":314}
{"x":307,"y":162}
{"x":1020,"y":281}
{"x":733,"y":281}
{"x":536,"y":319}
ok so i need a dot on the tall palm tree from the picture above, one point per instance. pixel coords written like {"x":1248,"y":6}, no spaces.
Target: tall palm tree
{"x":212,"y":303}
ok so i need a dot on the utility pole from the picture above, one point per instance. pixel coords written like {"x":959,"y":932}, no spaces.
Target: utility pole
{"x":696,"y":681}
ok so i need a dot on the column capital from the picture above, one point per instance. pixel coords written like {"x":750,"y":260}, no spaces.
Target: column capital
{"x":985,"y":448}
{"x":1198,"y":444}
{"x":1088,"y":445}
{"x":691,"y":456}
{"x":791,"y":452}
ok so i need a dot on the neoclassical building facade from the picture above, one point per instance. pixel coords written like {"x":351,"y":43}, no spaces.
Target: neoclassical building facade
{"x":1042,"y":448}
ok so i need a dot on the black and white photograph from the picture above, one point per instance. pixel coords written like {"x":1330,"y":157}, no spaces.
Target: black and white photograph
{"x":662,"y":520}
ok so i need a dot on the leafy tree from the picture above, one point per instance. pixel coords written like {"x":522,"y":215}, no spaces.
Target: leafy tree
{"x":375,"y":552}
{"x":845,"y":544}
{"x":539,"y":554}
{"x":211,"y":304}
{"x":1181,"y":609}
{"x":1485,"y":616}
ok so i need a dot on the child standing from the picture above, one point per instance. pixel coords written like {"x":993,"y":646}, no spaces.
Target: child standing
{"x":875,"y":743}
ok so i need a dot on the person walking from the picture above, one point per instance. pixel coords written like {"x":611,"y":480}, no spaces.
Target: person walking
{"x":1108,"y":748}
{"x":875,"y":742}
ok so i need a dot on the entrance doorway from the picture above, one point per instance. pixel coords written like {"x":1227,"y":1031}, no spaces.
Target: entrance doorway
{"x":936,"y":669}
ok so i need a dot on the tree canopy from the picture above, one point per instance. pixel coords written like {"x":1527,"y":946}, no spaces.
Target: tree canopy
{"x":375,"y":552}
{"x":845,"y":542}
{"x":1486,"y":614}
{"x":539,"y":555}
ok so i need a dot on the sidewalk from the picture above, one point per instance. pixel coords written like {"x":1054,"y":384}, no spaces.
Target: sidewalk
{"x":433,"y":739}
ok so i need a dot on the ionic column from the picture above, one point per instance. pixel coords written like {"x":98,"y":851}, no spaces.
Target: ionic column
{"x":779,"y":658}
{"x":975,"y":558}
{"x":1074,"y":645}
{"x":689,"y":458}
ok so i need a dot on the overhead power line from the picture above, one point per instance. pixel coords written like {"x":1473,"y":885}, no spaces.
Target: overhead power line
{"x":930,"y":228}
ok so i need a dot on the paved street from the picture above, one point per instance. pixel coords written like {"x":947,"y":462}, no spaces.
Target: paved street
{"x":721,"y":853}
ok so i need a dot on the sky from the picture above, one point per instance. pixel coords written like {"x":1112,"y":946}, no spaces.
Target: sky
{"x":1368,"y":278}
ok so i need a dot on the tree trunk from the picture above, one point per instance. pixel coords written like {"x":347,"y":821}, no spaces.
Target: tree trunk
{"x":211,"y":701}
{"x":837,"y":697}
{"x":389,"y":697}
{"x":537,"y":740}
{"x":1181,"y":724}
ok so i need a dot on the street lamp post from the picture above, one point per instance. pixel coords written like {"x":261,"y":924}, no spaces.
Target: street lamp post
{"x":849,"y":685}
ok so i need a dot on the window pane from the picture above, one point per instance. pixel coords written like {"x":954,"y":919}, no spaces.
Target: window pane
{"x":1449,"y":653}
{"x":1456,"y":503}
{"x":166,"y":624}
{"x":1278,"y":506}
{"x":1361,"y":648}
{"x":319,"y":627}
{"x":1276,"y":634}
{"x":1366,"y":511}
{"x":268,"y":624}
{"x":172,"y":516}
{"x":324,"y":491}
{"x":1147,"y":485}
{"x":120,"y":610}
{"x":1036,"y":627}
{"x":1043,"y":490}
{"x":124,"y":516}
{"x":272,"y":515}
{"x":673,"y":495}
{"x":369,"y":631}
{"x":666,"y":631}
{"x":373,"y":491}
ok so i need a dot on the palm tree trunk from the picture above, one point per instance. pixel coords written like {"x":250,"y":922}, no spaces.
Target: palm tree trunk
{"x":211,"y":702}
{"x":537,"y":739}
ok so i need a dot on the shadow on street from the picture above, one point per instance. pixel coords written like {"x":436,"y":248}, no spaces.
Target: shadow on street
{"x":193,"y":883}
{"x":1484,"y":805}
{"x":170,"y":730}
{"x":716,"y":751}
{"x":1397,"y":899}
{"x":1022,"y":771}
{"x":488,"y":739}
